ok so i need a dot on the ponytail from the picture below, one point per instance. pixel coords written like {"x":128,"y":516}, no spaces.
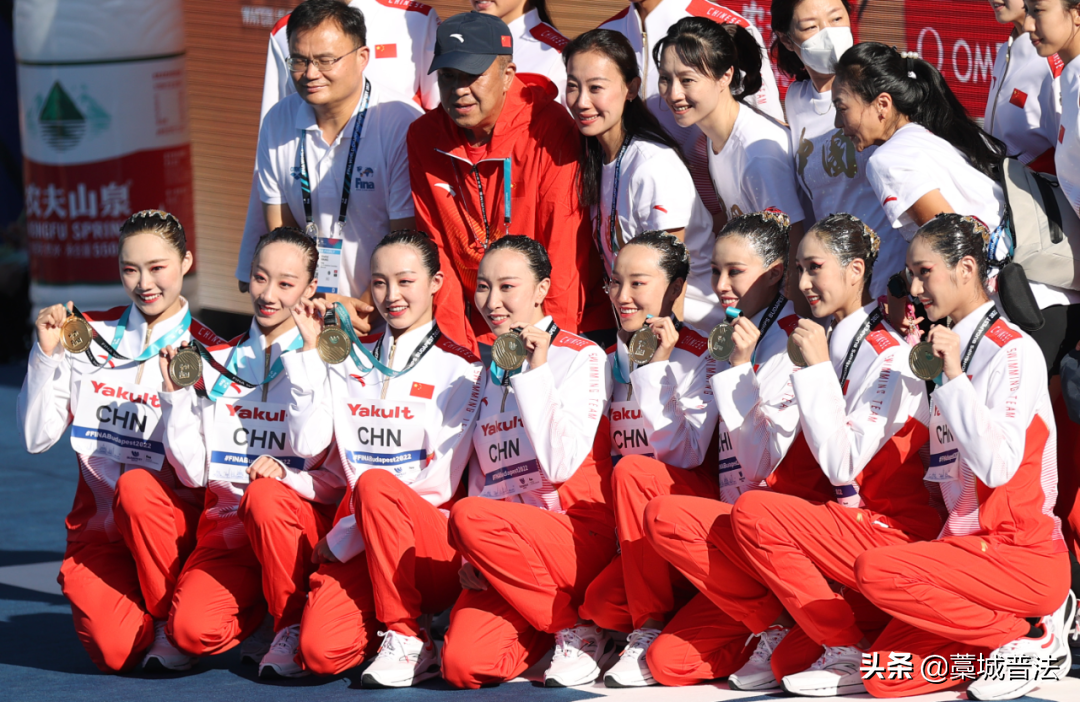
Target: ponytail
{"x":921,"y":94}
{"x":712,"y":49}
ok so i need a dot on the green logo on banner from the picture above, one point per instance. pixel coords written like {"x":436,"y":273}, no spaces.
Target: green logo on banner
{"x":63,"y":122}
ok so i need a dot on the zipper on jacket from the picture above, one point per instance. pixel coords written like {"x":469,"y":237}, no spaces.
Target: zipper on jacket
{"x":146,"y":343}
{"x":390,"y":364}
{"x":645,"y":45}
{"x":266,"y":372}
{"x":1001,"y":84}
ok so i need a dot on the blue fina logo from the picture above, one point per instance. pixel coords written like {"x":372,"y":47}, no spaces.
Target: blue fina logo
{"x":362,"y":184}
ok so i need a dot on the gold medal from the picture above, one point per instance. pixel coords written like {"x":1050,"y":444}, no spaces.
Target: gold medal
{"x":924,"y":364}
{"x":795,"y":353}
{"x":642,"y":345}
{"x":508,"y":351}
{"x":333,"y":345}
{"x":76,"y":334}
{"x":721,"y":341}
{"x":185,"y":368}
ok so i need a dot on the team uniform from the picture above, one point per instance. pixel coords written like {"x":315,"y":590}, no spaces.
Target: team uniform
{"x":461,"y":193}
{"x":833,"y":175}
{"x":378,"y":181}
{"x":401,"y":41}
{"x":656,"y":192}
{"x":537,"y":522}
{"x":755,"y":170}
{"x":1000,"y":556}
{"x":761,"y":448}
{"x":255,"y":538}
{"x":538,"y":51}
{"x":661,"y":446}
{"x":643,"y":36}
{"x":403,"y":444}
{"x":132,"y":523}
{"x":1023,"y":107}
{"x":1067,"y":154}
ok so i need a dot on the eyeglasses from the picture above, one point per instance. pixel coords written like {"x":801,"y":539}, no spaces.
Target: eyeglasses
{"x":299,"y":64}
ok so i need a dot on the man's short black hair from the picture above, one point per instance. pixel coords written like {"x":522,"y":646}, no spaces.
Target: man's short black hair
{"x":311,"y":14}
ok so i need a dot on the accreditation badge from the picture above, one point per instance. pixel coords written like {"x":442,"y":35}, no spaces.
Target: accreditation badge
{"x":118,"y":421}
{"x":242,"y":431}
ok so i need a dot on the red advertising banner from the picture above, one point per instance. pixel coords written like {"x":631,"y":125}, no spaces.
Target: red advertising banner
{"x":961,"y":39}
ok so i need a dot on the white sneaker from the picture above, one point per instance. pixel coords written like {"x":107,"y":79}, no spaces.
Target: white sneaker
{"x":632,"y":670}
{"x":1062,"y":624}
{"x":757,"y":674}
{"x":837,"y":672}
{"x":254,"y":647}
{"x":280,"y":660}
{"x":1017,"y":668}
{"x":402,"y":661}
{"x":162,"y":656}
{"x":578,"y":653}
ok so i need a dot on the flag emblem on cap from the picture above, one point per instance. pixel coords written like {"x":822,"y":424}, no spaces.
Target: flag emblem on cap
{"x":422,"y":390}
{"x":385,"y":51}
{"x":507,"y":42}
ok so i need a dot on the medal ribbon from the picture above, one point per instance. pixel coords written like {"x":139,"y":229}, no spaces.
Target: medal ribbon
{"x":376,"y":358}
{"x":167,"y":339}
{"x":872,"y":321}
{"x":222,"y":384}
{"x":501,"y":377}
{"x":771,"y":315}
{"x":200,"y":384}
{"x":618,"y":372}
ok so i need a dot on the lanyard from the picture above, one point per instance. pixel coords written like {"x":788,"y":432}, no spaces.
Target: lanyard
{"x":376,"y":358}
{"x":613,"y":218}
{"x":988,"y":320}
{"x":620,"y":375}
{"x":222,"y":384}
{"x":508,"y":169}
{"x":170,"y":337}
{"x":771,"y":315}
{"x":872,"y":321}
{"x":502,"y":377}
{"x":346,"y":189}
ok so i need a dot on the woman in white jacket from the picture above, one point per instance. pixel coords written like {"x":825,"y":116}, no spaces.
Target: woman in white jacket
{"x":401,"y":408}
{"x":133,"y":523}
{"x":536,"y":527}
{"x":266,"y":506}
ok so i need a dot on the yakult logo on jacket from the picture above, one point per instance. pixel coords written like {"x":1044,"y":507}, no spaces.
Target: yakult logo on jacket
{"x":492,"y":428}
{"x":106,"y":390}
{"x":395,"y":412}
{"x":625,"y":415}
{"x":238,"y":410}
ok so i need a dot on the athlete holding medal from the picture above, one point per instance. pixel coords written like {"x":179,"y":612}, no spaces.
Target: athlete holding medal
{"x":401,"y":406}
{"x":662,"y":418}
{"x":132,"y":524}
{"x":266,"y":506}
{"x":536,"y":528}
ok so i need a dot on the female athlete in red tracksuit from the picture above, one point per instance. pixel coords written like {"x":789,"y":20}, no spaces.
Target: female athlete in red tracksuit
{"x":662,"y":417}
{"x":400,"y":410}
{"x":988,"y":585}
{"x":536,"y":528}
{"x":266,"y":507}
{"x":132,"y":524}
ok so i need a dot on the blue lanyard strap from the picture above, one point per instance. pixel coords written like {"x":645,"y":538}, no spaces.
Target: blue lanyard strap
{"x":375,"y":359}
{"x":508,"y":170}
{"x":346,"y":188}
{"x":501,"y":377}
{"x":167,"y":339}
{"x":613,"y":218}
{"x":222,"y":384}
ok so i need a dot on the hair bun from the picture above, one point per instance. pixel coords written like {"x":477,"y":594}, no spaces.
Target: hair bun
{"x":777,"y":216}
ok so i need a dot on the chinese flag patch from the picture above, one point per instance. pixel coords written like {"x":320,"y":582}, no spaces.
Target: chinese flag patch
{"x":385,"y":51}
{"x":422,"y":390}
{"x":507,"y":42}
{"x":1019,"y":97}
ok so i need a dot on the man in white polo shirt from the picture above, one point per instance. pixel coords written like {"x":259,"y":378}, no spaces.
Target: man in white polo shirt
{"x":332,"y":158}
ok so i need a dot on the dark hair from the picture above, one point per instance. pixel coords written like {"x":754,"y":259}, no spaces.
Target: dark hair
{"x":711,"y":49}
{"x":674,"y":258}
{"x":533,"y":250}
{"x":425,"y":247}
{"x":921,"y":94}
{"x":847,"y":238}
{"x":541,"y":9}
{"x":312,"y":13}
{"x":955,"y":236}
{"x":637,"y":121}
{"x":291,"y":235}
{"x":783,"y":15}
{"x":767,"y":233}
{"x":158,"y":222}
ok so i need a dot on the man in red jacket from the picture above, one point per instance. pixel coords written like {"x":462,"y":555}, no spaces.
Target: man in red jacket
{"x":500,"y":158}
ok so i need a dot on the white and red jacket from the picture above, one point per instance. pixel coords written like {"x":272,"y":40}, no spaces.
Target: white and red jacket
{"x":643,"y":37}
{"x":400,"y":37}
{"x":993,"y":442}
{"x":538,"y":53}
{"x":55,"y":386}
{"x":870,"y":431}
{"x":418,"y":426}
{"x":1023,"y":107}
{"x":676,"y":421}
{"x":542,"y":439}
{"x":194,"y":427}
{"x":1067,"y":154}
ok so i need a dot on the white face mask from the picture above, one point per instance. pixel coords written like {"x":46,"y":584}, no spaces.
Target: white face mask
{"x":821,"y":52}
